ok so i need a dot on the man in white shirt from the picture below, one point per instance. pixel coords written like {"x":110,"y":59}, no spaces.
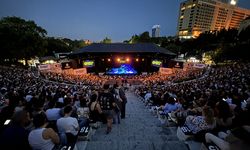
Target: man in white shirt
{"x":68,"y":124}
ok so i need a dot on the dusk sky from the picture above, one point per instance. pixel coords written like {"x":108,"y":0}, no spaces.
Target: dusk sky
{"x":96,"y":19}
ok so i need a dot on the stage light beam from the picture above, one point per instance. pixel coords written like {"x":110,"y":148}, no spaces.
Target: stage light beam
{"x":127,"y":59}
{"x":118,"y":59}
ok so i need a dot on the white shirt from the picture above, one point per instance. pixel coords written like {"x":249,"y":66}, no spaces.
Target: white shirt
{"x":148,"y":96}
{"x":28,"y":98}
{"x":68,"y":125}
{"x":37,"y":141}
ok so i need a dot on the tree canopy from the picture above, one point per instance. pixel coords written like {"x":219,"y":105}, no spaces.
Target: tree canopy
{"x":21,"y":39}
{"x":223,"y":44}
{"x":106,"y":40}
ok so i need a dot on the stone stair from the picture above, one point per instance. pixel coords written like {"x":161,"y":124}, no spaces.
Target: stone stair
{"x":139,"y":131}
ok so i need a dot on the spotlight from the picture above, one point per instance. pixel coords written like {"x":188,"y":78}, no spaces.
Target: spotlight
{"x":142,"y":59}
{"x":102,"y":59}
{"x":118,"y":59}
{"x":109,"y":59}
{"x":127,"y":59}
{"x":137,"y":59}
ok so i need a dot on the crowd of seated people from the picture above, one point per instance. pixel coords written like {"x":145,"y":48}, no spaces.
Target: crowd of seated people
{"x":36,"y":113}
{"x":214,"y":108}
{"x":206,"y":108}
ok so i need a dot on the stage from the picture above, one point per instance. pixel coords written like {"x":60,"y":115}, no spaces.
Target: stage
{"x":121,"y":59}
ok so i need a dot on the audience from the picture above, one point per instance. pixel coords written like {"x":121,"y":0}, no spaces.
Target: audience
{"x":41,"y":137}
{"x":15,"y":136}
{"x":216,"y":99}
{"x":68,"y":125}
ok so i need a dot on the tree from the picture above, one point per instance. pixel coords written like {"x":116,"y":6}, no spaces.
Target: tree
{"x":21,"y":39}
{"x":57,"y":46}
{"x":244,"y":35}
{"x":144,"y":37}
{"x":106,"y":40}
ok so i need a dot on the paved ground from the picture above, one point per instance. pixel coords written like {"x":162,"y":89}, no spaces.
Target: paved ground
{"x":139,"y":131}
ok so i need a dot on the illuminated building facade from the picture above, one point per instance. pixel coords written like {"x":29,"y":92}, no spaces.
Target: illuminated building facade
{"x":198,"y":16}
{"x":156,"y":31}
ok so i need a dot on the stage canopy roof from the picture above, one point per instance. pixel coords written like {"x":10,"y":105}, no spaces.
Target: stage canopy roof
{"x":123,"y":48}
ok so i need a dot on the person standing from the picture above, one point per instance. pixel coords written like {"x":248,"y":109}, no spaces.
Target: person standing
{"x":107,"y":104}
{"x":118,"y":101}
{"x":124,"y":101}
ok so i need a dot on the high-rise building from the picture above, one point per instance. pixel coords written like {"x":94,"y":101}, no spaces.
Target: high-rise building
{"x":232,"y":2}
{"x":197,"y":16}
{"x":156,"y":31}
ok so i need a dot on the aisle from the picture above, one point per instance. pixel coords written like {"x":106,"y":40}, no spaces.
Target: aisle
{"x":139,"y":131}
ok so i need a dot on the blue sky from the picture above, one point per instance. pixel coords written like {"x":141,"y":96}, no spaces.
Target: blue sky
{"x":96,"y":19}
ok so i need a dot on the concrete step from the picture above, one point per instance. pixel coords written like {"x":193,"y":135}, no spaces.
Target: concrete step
{"x":139,"y":131}
{"x":135,"y":145}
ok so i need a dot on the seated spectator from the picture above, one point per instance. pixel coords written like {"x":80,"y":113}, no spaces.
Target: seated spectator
{"x":199,"y":123}
{"x":148,"y":96}
{"x":224,"y":116}
{"x":41,"y":137}
{"x":14,"y":136}
{"x":170,"y":106}
{"x":95,"y":109}
{"x":37,"y":106}
{"x":237,"y":139}
{"x":68,"y":125}
{"x":83,"y":112}
{"x":53,"y":113}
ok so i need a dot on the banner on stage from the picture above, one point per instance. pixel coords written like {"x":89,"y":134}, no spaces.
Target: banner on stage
{"x":165,"y":70}
{"x":200,"y":66}
{"x":55,"y":67}
{"x":44,"y":67}
{"x":68,"y":71}
{"x":80,"y":71}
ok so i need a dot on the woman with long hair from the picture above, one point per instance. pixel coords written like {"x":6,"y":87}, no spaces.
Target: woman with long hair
{"x":224,"y":116}
{"x":204,"y":122}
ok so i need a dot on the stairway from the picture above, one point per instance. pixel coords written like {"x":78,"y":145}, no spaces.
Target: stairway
{"x":139,"y":131}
